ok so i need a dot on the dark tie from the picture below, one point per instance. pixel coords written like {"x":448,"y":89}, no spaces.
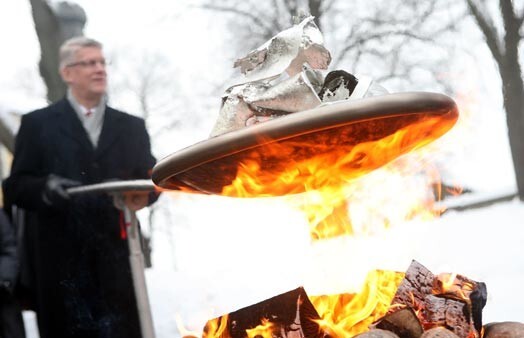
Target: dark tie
{"x":89,"y":113}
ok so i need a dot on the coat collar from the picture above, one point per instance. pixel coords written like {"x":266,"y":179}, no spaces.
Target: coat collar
{"x":111,"y":130}
{"x":71,"y":126}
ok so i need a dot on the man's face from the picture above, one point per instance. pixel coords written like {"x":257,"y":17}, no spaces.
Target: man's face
{"x":86,"y":75}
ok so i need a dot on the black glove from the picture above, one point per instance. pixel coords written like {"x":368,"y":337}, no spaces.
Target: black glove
{"x":6,"y":286}
{"x":55,"y":193}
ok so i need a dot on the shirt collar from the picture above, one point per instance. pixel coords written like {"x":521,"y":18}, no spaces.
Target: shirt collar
{"x":81,"y":110}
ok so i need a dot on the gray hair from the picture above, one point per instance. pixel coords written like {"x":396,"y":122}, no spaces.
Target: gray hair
{"x":70,"y":47}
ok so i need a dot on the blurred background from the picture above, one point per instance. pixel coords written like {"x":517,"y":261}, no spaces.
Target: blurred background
{"x":171,"y":62}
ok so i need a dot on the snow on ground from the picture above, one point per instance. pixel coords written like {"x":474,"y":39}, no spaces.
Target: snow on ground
{"x":261,"y":260}
{"x":216,"y":266}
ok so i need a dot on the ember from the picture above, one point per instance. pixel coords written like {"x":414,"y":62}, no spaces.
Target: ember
{"x":407,"y":305}
{"x":288,"y":315}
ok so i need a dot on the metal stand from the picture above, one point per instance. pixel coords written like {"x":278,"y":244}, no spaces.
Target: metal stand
{"x":136,"y":257}
{"x":136,"y":260}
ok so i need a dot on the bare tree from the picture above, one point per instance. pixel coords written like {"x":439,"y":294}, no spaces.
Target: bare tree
{"x":262,"y":20}
{"x":401,"y":43}
{"x":54,"y":25}
{"x":504,"y":45}
{"x":153,"y":92}
{"x":371,"y":36}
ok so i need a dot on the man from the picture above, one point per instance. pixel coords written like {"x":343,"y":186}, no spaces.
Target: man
{"x":82,"y":273}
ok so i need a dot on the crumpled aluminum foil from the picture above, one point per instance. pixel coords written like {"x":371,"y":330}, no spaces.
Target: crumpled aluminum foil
{"x":286,"y":52}
{"x":280,"y":77}
{"x":260,"y":101}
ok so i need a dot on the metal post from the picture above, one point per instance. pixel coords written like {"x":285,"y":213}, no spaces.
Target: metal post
{"x":136,"y":261}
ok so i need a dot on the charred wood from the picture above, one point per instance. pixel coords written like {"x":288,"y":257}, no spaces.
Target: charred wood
{"x":289,"y":315}
{"x":449,"y":313}
{"x":417,"y":283}
{"x":462,"y":288}
{"x":452,"y":301}
{"x":478,"y":299}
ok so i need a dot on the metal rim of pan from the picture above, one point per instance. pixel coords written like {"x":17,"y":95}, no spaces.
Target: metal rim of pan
{"x":171,"y":172}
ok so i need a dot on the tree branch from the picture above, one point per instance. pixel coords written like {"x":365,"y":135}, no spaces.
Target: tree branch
{"x":512,"y":24}
{"x":364,"y":39}
{"x":488,"y":29}
{"x":250,"y":15}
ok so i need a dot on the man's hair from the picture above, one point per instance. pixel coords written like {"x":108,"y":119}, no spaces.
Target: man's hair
{"x":71,"y":46}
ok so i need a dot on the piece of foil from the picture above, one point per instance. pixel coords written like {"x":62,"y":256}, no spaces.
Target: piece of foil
{"x":259,"y":101}
{"x":283,"y":76}
{"x":285,"y":52}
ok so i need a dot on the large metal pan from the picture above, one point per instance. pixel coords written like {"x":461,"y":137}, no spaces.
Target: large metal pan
{"x":209,"y":166}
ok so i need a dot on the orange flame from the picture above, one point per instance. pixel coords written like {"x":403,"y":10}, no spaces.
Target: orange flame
{"x":330,"y":167}
{"x":217,"y":328}
{"x":333,"y":181}
{"x":345,"y":315}
{"x":456,"y":285}
{"x":331,"y":176}
{"x":264,"y":330}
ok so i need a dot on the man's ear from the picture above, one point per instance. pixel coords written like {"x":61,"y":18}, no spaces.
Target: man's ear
{"x":65,"y":73}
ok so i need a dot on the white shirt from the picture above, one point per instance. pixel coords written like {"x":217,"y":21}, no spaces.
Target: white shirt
{"x":92,"y":123}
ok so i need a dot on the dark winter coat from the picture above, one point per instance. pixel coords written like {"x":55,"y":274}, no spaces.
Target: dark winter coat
{"x":8,"y":252}
{"x":11,"y":322}
{"x":82,"y":272}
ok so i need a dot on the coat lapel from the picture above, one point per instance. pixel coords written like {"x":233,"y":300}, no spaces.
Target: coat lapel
{"x":71,"y":126}
{"x":111,"y":130}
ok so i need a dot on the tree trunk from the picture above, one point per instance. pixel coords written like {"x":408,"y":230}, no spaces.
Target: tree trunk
{"x":316,"y":11}
{"x":506,"y":53}
{"x":53,"y":26}
{"x":513,"y":90}
{"x":513,"y":94}
{"x":50,"y":36}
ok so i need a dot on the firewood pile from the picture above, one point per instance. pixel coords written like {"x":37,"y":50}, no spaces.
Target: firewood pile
{"x":424,"y":305}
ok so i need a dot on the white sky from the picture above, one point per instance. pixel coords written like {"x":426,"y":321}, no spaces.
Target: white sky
{"x":479,"y":144}
{"x":192,"y":43}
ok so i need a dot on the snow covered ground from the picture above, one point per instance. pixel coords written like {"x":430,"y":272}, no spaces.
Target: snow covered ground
{"x":217,"y":267}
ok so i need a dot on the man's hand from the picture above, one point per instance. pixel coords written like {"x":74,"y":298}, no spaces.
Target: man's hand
{"x":55,"y":190}
{"x":6,"y":286}
{"x":135,"y":200}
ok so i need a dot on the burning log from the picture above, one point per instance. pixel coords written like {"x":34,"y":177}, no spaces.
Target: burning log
{"x":462,"y":288}
{"x":449,"y":313}
{"x":423,"y":305}
{"x":417,"y":283}
{"x":451,"y":301}
{"x":289,"y":315}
